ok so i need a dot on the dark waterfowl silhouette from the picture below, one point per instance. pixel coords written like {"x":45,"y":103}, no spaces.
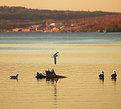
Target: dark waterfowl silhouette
{"x":40,"y":75}
{"x":14,"y":77}
{"x":48,"y":75}
{"x":54,"y":56}
{"x":101,"y":76}
{"x":114,"y":75}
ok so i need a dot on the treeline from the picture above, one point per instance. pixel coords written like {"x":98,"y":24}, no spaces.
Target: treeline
{"x":22,"y":13}
{"x":110,"y":23}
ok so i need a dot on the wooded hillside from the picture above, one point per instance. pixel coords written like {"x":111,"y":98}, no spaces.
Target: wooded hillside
{"x":13,"y":17}
{"x":22,"y":13}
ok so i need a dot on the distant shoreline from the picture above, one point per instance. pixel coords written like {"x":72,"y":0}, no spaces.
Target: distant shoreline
{"x":21,"y":19}
{"x":60,"y":45}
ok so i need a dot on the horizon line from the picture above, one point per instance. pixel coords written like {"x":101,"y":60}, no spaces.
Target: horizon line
{"x":59,"y":9}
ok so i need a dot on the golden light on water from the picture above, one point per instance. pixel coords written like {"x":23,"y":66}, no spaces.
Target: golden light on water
{"x":81,"y":64}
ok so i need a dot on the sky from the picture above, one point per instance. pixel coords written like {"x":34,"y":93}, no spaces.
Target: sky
{"x":76,"y":5}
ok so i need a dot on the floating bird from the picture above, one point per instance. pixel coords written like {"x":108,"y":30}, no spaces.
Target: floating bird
{"x":113,"y":76}
{"x":14,"y":77}
{"x":54,"y":56}
{"x":101,"y":76}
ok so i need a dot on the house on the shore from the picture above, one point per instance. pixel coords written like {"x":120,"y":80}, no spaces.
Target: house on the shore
{"x":56,"y":24}
{"x":25,"y":30}
{"x":37,"y":27}
{"x":17,"y":29}
{"x":21,"y":30}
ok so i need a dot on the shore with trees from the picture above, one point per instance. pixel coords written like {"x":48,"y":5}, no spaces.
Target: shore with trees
{"x":72,"y":21}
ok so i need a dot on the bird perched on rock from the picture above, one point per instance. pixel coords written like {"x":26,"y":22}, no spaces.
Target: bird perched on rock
{"x":54,"y":56}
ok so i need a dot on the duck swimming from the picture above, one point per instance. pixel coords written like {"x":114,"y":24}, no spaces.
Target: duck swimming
{"x":14,"y":77}
{"x":101,"y":76}
{"x":113,"y":76}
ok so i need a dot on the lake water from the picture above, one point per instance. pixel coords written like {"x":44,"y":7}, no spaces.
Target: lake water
{"x":82,"y":57}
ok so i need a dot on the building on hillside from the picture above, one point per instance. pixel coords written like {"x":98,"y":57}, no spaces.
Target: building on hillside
{"x":17,"y":29}
{"x":55,"y":29}
{"x":37,"y":27}
{"x":25,"y":30}
{"x":56,"y":24}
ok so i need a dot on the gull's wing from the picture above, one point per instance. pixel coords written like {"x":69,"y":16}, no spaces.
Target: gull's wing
{"x":56,"y":53}
{"x":55,"y":59}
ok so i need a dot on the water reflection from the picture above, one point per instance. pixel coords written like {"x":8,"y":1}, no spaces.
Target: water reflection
{"x":52,"y":80}
{"x":14,"y":79}
{"x":49,"y":80}
{"x":102,"y":80}
{"x":53,"y":83}
{"x":55,"y":96}
{"x":114,"y":80}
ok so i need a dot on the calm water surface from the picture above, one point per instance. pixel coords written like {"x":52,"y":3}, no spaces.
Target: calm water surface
{"x":60,"y":38}
{"x":82,"y":57}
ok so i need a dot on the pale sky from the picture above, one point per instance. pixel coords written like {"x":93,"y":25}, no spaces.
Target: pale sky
{"x":92,"y":5}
